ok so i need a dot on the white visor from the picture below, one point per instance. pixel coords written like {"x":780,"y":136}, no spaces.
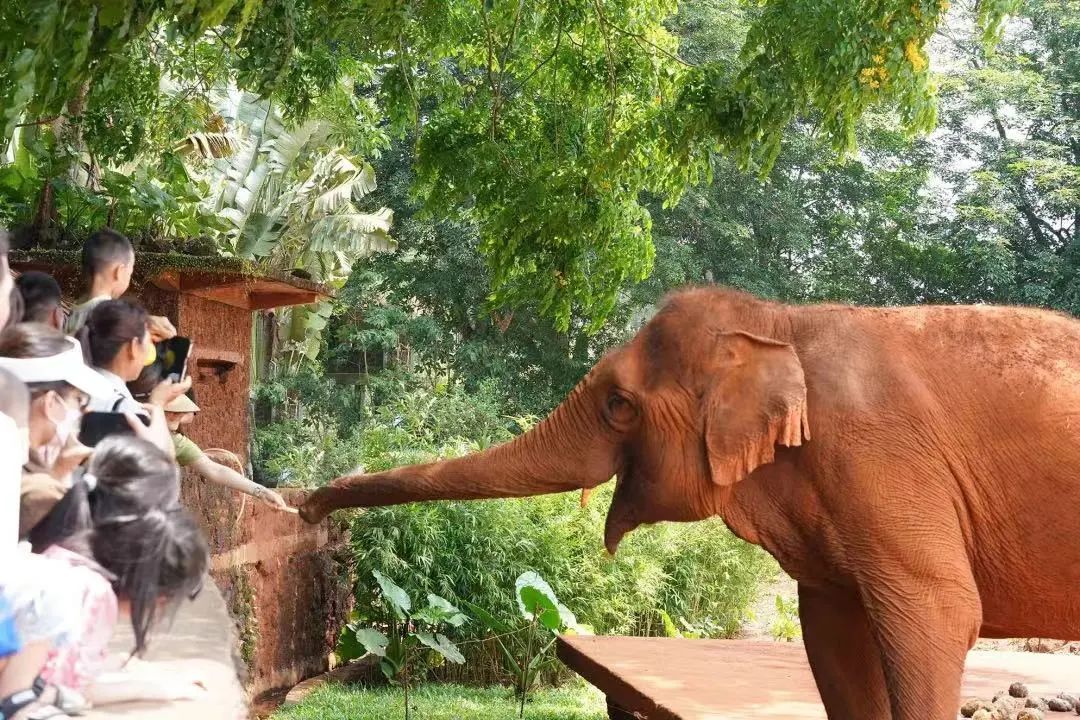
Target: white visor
{"x":67,"y":366}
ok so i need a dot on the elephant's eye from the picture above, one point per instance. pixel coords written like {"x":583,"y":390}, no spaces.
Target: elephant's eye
{"x":621,"y":411}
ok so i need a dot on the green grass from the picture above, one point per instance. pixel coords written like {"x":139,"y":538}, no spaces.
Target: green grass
{"x":574,"y":701}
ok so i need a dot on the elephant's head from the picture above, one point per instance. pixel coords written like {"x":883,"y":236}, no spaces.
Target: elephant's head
{"x":693,"y":404}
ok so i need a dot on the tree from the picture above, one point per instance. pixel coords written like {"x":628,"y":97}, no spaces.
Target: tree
{"x":541,"y":122}
{"x":1010,"y":148}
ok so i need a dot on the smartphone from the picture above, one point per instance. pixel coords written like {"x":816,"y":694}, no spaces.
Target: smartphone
{"x":173,"y":355}
{"x":96,"y":426}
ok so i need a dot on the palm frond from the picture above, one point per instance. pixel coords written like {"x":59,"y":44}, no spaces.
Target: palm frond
{"x":208,"y":146}
{"x":356,"y":234}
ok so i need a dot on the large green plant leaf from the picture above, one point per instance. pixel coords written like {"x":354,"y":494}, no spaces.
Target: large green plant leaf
{"x":372,"y":641}
{"x":440,"y":611}
{"x":394,"y":595}
{"x":258,"y":237}
{"x":359,"y":234}
{"x":537,"y":600}
{"x":442,"y":645}
{"x":348,"y":646}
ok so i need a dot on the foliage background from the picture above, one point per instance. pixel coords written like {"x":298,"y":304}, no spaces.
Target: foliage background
{"x":540,"y":162}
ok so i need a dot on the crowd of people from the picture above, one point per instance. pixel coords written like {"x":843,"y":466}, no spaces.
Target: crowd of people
{"x":92,"y":535}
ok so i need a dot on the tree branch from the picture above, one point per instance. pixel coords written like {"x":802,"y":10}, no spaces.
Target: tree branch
{"x":43,"y":121}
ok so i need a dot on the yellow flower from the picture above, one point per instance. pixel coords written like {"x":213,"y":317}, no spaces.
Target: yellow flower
{"x":914,"y":56}
{"x":879,"y":59}
{"x":943,"y":5}
{"x":916,"y":10}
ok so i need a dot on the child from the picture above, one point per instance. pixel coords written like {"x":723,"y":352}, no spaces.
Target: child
{"x":137,"y":555}
{"x":108,"y":259}
{"x":42,"y":299}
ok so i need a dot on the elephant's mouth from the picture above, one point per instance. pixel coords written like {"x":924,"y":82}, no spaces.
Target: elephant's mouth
{"x":621,"y":517}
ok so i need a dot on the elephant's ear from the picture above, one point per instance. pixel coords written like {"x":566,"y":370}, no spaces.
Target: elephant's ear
{"x":756,"y":399}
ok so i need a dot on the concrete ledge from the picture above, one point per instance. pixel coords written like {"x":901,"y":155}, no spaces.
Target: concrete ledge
{"x":362,"y":670}
{"x":201,"y":639}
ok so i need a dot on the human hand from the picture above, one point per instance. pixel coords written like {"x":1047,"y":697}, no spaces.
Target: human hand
{"x":160,"y":328}
{"x":71,"y":456}
{"x":274,"y":500}
{"x":166,"y":391}
{"x":157,"y":432}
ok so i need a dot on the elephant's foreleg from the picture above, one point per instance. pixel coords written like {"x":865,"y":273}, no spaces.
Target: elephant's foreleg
{"x":843,"y":654}
{"x":925,"y":622}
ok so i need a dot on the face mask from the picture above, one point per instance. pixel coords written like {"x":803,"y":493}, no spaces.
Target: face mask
{"x":65,"y":428}
{"x":151,"y":355}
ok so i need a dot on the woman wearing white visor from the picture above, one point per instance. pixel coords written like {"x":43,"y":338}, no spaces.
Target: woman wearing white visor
{"x":61,"y":387}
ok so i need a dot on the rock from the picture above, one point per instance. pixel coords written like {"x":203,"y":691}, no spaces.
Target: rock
{"x":1018,"y":690}
{"x":1030,"y":714}
{"x":1060,"y":705}
{"x":969,"y":708}
{"x":1071,"y":698}
{"x":1009,"y":705}
{"x":1037,"y":704}
{"x":982,"y":714}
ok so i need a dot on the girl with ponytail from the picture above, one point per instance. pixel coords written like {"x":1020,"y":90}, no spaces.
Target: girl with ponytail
{"x":137,"y":555}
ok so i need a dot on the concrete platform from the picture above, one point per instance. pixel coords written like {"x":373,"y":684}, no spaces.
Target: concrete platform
{"x":200,"y":640}
{"x":679,"y":679}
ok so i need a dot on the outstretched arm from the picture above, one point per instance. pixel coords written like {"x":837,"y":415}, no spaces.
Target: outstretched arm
{"x":224,"y":475}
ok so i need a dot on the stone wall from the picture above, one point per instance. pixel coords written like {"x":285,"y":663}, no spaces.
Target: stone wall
{"x":286,"y":583}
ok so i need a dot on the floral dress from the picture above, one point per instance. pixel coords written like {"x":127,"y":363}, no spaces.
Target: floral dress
{"x":79,"y":660}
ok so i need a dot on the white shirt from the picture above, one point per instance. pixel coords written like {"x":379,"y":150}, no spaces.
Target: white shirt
{"x":121,"y":399}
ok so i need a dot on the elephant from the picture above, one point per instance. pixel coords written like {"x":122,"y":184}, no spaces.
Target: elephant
{"x":915,"y":469}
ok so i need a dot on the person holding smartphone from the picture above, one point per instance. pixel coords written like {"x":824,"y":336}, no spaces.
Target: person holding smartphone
{"x":181,"y":412}
{"x":119,"y":343}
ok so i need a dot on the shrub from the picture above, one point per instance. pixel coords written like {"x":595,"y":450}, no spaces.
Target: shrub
{"x":473,"y":551}
{"x":408,"y":419}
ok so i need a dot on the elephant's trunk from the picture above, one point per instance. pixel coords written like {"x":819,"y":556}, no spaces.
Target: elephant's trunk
{"x":569,"y":450}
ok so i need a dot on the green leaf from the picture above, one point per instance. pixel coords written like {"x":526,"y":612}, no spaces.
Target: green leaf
{"x":439,"y":611}
{"x":348,"y":646}
{"x":442,"y":645}
{"x":669,"y":625}
{"x":490,"y":621}
{"x":536,"y":600}
{"x":373,"y":641}
{"x":397,"y":598}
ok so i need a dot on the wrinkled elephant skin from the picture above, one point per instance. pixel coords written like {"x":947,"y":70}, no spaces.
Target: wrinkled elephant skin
{"x":916,"y":470}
